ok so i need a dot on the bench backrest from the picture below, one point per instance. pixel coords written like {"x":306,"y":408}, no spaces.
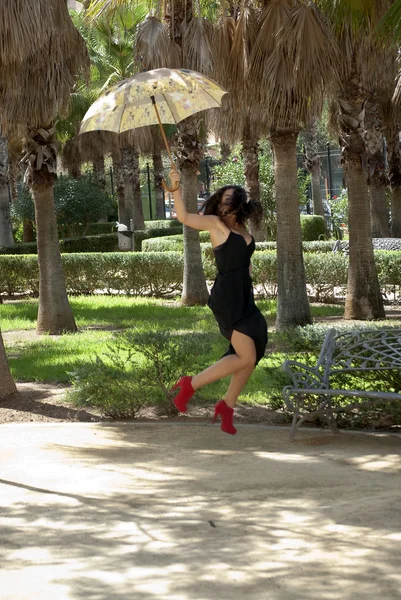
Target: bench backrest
{"x":361,"y":350}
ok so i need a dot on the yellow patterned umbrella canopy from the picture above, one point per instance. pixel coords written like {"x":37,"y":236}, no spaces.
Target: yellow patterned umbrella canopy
{"x":177,"y":93}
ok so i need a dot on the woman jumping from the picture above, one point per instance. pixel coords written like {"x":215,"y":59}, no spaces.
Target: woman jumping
{"x":231,"y":298}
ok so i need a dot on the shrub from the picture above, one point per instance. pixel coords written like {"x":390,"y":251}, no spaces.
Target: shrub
{"x":313,"y":226}
{"x":78,"y":202}
{"x":171,"y":243}
{"x":139,"y":368}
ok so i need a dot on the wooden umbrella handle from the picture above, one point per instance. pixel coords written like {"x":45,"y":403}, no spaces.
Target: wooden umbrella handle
{"x":175,"y":187}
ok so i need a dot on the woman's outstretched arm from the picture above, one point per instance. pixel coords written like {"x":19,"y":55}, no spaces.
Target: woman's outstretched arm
{"x":202,"y":222}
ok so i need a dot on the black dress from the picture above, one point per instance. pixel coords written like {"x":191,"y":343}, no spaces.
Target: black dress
{"x":231,"y":298}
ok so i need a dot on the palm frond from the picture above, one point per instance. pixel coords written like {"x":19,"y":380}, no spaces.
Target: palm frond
{"x":152,"y":44}
{"x":197,"y":40}
{"x":303,"y":61}
{"x":45,"y":79}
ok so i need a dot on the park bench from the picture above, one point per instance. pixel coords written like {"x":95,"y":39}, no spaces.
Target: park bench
{"x":363,"y":353}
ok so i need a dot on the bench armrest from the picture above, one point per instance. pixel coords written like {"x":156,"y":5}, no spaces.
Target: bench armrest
{"x":303,"y":376}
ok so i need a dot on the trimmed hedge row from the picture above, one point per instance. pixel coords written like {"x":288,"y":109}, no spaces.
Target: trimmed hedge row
{"x":161,"y":273}
{"x":107,"y":242}
{"x":175,"y":243}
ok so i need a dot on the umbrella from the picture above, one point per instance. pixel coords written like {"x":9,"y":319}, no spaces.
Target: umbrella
{"x":151,"y":98}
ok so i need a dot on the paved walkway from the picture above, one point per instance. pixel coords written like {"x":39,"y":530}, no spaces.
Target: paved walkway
{"x":184,"y":512}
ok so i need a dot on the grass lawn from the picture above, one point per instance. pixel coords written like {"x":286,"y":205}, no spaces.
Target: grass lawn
{"x":53,"y":358}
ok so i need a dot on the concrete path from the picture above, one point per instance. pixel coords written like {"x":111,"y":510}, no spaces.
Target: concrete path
{"x":185,"y":512}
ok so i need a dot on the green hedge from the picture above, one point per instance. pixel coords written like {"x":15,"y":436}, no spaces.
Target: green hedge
{"x":107,"y":242}
{"x":175,"y":243}
{"x":161,"y":273}
{"x":313,"y":227}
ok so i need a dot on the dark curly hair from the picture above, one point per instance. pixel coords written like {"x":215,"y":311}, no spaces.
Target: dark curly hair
{"x":240,"y":205}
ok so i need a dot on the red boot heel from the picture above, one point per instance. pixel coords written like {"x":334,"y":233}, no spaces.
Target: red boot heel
{"x":185,"y":394}
{"x":227,"y":414}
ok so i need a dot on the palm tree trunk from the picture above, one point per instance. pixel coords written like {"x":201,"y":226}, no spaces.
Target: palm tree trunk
{"x":132,"y":188}
{"x":139,"y":220}
{"x":364,"y":299}
{"x":293,"y":306}
{"x":396,"y":212}
{"x":119,"y":186}
{"x":54,"y":314}
{"x":312,"y":164}
{"x":194,"y":284}
{"x":158,"y":173}
{"x":12,"y":179}
{"x":394,"y":163}
{"x":6,"y":231}
{"x":225,"y":152}
{"x":28,"y":233}
{"x":379,"y":212}
{"x":250,"y":151}
{"x":7,"y":387}
{"x":99,"y":169}
{"x":377,"y":180}
{"x":189,"y":154}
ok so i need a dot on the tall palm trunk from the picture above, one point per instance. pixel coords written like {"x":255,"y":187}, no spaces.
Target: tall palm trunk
{"x":99,"y":170}
{"x":132,"y":187}
{"x":54,"y":314}
{"x":394,"y":163}
{"x":250,"y":149}
{"x":293,"y":306}
{"x":7,"y":387}
{"x":225,"y":152}
{"x":158,"y":173}
{"x":6,"y":231}
{"x":364,"y":299}
{"x":312,"y":164}
{"x":190,"y":152}
{"x":119,"y":187}
{"x":377,"y":179}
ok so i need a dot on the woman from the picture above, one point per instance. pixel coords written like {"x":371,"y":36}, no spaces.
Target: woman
{"x":231,"y":298}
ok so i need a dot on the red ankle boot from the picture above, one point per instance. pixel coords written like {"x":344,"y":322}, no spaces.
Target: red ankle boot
{"x":185,"y":394}
{"x":226,"y":413}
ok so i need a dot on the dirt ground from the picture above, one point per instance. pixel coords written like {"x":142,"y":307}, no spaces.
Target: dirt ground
{"x":45,"y":402}
{"x":165,"y":511}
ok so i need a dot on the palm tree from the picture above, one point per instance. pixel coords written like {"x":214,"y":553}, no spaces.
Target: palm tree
{"x":361,"y":79}
{"x":6,"y":232}
{"x":19,"y":39}
{"x":40,"y":93}
{"x":293,"y":60}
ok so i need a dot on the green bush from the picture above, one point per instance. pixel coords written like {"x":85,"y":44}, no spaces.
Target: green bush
{"x":78,"y":202}
{"x":313,"y":227}
{"x":138,"y":369}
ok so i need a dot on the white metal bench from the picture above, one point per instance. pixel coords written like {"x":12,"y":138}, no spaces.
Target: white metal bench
{"x":358,"y":351}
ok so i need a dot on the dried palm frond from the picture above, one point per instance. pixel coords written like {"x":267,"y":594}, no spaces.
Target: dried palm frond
{"x":271,"y":21}
{"x":223,"y":37}
{"x":95,"y":143}
{"x":246,"y":31}
{"x":71,"y":158}
{"x":153,"y":47}
{"x":197,"y":40}
{"x":304,"y":60}
{"x":24,"y":27}
{"x":44,"y":81}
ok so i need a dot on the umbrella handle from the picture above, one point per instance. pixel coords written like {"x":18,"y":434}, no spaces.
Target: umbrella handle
{"x":175,"y":187}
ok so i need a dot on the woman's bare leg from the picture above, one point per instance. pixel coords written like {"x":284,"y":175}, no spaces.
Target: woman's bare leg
{"x":245,"y":358}
{"x":237,"y":384}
